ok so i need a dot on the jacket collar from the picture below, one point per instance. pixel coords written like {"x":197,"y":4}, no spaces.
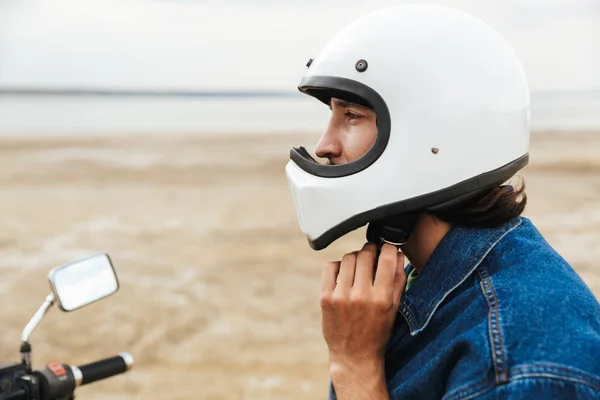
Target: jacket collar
{"x":455,"y":258}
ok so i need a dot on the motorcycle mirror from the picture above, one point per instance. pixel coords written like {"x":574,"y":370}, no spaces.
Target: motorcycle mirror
{"x":84,"y":281}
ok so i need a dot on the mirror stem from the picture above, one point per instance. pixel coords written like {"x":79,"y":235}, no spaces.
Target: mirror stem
{"x":37,"y":318}
{"x":26,"y":356}
{"x":33,"y":323}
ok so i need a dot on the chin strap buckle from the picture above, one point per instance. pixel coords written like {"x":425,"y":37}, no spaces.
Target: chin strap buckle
{"x":394,"y":230}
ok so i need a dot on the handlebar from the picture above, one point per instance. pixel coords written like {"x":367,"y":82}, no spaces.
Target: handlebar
{"x":58,"y":380}
{"x":102,"y":369}
{"x":15,"y":395}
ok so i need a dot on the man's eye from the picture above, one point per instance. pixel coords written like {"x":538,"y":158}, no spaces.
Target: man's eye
{"x":351,"y":115}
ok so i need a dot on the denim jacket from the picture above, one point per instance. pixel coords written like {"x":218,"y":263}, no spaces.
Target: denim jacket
{"x":495,"y":314}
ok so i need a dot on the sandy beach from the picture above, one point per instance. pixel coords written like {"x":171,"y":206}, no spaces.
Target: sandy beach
{"x":219,"y":289}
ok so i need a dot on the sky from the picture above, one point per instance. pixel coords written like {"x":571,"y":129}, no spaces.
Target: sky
{"x":255,"y":44}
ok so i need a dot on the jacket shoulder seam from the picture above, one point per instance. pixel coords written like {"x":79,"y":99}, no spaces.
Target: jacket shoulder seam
{"x":494,"y":328}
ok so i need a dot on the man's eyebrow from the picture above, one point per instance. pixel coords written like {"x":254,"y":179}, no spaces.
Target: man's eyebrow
{"x":346,"y":104}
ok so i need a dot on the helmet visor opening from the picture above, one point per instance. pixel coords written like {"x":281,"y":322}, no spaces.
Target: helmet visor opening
{"x":343,"y":96}
{"x":349,"y":133}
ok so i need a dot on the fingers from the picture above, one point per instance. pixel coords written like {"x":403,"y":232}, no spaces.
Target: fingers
{"x":365,"y":261}
{"x":386,"y":269}
{"x":399,"y":279}
{"x":346,"y":274}
{"x":356,"y":270}
{"x":329,"y":276}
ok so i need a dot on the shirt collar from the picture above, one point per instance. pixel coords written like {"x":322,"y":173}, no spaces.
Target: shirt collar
{"x":455,"y":258}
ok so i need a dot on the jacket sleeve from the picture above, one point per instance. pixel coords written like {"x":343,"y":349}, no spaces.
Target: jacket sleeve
{"x":544,"y":388}
{"x":332,"y":395}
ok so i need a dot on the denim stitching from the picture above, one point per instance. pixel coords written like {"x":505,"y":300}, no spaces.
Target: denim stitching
{"x":468,"y":390}
{"x":472,"y":265}
{"x":493,"y":327}
{"x":529,"y":371}
{"x":407,"y":314}
{"x":464,"y":395}
{"x":567,"y":373}
{"x":498,"y":232}
{"x":475,"y":394}
{"x":517,"y":377}
{"x":495,"y":238}
{"x":556,"y":376}
{"x":498,"y":329}
{"x":483,"y":246}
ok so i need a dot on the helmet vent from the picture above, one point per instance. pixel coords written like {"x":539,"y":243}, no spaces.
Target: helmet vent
{"x":361,"y":65}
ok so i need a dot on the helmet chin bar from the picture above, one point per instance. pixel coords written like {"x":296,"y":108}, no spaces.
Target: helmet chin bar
{"x":394,"y":217}
{"x":301,"y":151}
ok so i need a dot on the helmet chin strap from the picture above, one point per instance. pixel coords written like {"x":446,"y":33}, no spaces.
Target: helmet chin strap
{"x":397,"y":229}
{"x":393,"y":230}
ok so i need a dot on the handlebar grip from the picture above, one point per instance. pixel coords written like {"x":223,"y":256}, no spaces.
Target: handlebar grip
{"x":102,"y":369}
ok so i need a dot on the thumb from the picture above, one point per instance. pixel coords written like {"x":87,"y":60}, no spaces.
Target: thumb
{"x":399,"y":278}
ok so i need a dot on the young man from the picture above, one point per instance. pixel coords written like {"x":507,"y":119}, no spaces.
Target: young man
{"x":430,"y":117}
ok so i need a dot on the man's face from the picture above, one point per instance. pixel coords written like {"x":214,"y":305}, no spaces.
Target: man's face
{"x":351,"y":133}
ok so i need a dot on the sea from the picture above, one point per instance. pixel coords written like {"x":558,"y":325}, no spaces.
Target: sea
{"x":35,"y":114}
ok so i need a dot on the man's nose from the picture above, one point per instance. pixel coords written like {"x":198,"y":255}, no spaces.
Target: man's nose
{"x":329,"y":145}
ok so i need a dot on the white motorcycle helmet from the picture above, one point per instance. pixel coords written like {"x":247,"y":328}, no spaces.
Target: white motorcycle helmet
{"x":453,"y":118}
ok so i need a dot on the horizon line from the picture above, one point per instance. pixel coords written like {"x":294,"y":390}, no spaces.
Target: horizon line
{"x":126,"y":92}
{"x":121,"y":92}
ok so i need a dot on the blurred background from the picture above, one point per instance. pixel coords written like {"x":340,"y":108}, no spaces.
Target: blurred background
{"x":158,"y":131}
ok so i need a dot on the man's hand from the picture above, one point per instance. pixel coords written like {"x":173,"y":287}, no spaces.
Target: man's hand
{"x":359,"y":304}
